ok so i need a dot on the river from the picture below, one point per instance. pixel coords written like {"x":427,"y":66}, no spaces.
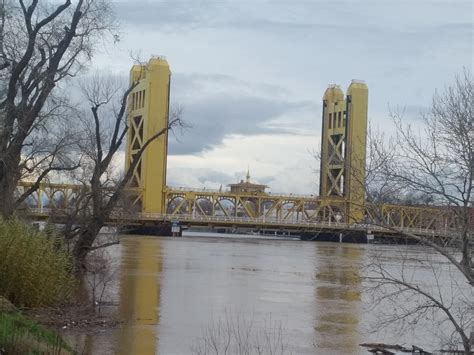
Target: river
{"x":171,"y":292}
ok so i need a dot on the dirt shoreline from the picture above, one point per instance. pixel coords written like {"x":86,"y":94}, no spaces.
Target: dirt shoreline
{"x":72,"y":317}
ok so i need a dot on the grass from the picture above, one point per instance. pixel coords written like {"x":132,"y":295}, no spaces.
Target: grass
{"x":20,"y":335}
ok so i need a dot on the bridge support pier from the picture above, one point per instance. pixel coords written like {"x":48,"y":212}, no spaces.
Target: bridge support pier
{"x":357,"y":237}
{"x":163,"y":229}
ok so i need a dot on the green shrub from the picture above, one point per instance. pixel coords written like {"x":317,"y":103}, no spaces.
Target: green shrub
{"x":35,"y":269}
{"x":20,"y":335}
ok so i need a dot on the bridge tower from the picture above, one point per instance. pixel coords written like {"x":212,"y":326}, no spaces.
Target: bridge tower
{"x":148,"y":114}
{"x":343,"y":148}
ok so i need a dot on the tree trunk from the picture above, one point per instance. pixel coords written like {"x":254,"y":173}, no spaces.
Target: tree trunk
{"x":84,"y":243}
{"x":8,"y":183}
{"x":6,"y":196}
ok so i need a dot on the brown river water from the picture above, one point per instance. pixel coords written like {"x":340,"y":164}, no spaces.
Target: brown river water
{"x":169,"y":291}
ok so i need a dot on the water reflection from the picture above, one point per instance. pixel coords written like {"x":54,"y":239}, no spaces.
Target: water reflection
{"x":137,"y":266}
{"x":139,"y":297}
{"x":338,"y":295}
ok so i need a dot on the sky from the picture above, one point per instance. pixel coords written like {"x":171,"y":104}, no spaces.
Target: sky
{"x":250,"y":75}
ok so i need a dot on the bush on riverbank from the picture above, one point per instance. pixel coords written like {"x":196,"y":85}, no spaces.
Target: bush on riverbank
{"x":35,"y":269}
{"x":20,"y":335}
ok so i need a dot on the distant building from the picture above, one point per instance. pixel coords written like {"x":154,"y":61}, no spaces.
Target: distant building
{"x":247,"y":186}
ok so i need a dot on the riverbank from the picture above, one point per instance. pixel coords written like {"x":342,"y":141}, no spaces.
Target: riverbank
{"x":78,"y":317}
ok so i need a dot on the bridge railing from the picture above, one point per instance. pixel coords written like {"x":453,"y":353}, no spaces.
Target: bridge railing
{"x":259,"y":222}
{"x":270,"y":221}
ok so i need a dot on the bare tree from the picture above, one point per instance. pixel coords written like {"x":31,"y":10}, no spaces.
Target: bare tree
{"x":105,"y":129}
{"x":100,"y":275}
{"x":434,"y":161}
{"x":236,"y":334}
{"x":41,"y":45}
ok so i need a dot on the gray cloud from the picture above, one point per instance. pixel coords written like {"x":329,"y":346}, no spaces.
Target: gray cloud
{"x":165,"y":15}
{"x":216,"y":177}
{"x":178,"y":16}
{"x":216,"y":106}
{"x":213,"y":118}
{"x":373,"y":17}
{"x":189,"y":83}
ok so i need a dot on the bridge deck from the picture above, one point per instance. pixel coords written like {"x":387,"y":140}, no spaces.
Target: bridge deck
{"x":247,"y":222}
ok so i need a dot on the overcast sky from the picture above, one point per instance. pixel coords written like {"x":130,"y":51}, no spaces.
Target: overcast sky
{"x":250,"y":75}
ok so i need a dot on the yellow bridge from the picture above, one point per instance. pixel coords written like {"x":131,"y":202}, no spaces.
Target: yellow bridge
{"x":340,"y":206}
{"x":262,"y":212}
